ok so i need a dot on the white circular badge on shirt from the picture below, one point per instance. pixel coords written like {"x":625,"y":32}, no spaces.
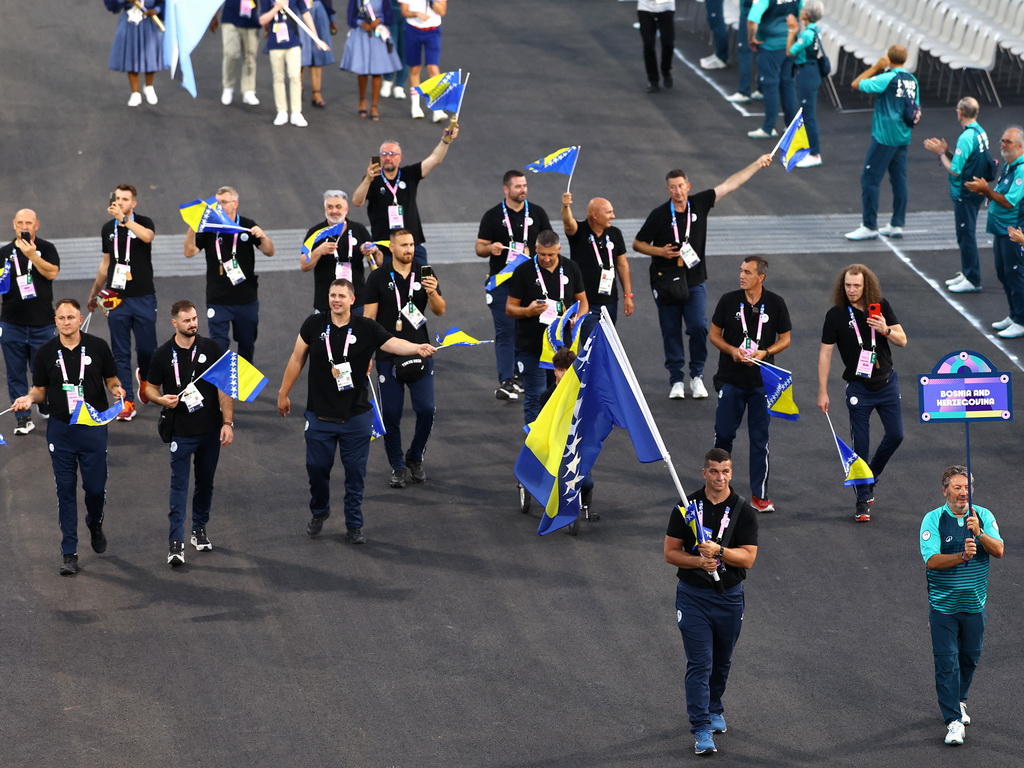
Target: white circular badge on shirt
{"x":245,"y":237}
{"x":854,"y":400}
{"x":925,"y":535}
{"x":401,"y":185}
{"x":381,"y":378}
{"x":210,"y":312}
{"x":202,"y":358}
{"x":529,"y":221}
{"x":174,"y":446}
{"x":88,"y":360}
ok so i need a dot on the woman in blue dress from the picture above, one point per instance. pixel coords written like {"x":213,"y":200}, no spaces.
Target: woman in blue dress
{"x":313,"y":58}
{"x":138,"y":44}
{"x":370,"y":50}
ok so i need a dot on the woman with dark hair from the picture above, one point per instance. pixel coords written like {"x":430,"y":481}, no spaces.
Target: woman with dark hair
{"x":138,"y":44}
{"x":370,"y":50}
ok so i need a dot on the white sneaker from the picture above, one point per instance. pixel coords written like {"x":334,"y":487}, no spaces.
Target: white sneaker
{"x":955,"y":733}
{"x":298,"y":120}
{"x":761,"y":134}
{"x":738,"y":98}
{"x":281,"y":119}
{"x":964,"y":286}
{"x":1013,"y":331}
{"x":385,"y":88}
{"x":810,"y":161}
{"x":135,"y":99}
{"x":862,"y":233}
{"x":1003,"y":324}
{"x":964,"y":717}
{"x":398,"y":92}
{"x":416,"y":110}
{"x":439,"y":116}
{"x":957,"y":279}
{"x":678,"y":391}
{"x":697,"y":388}
{"x":226,"y":96}
{"x":249,"y":97}
{"x":890,"y":231}
{"x":757,"y":96}
{"x":712,"y":62}
{"x":150,"y":92}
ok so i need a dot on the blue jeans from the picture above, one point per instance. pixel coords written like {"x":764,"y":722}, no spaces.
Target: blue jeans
{"x":956,"y":643}
{"x":965,"y":216}
{"x":651,"y":25}
{"x":808,"y":81}
{"x":20,"y":344}
{"x":204,"y":450}
{"x":775,"y":76}
{"x":1010,"y":271}
{"x":744,"y":56}
{"x":671,"y":318}
{"x":716,"y":22}
{"x":352,"y":441}
{"x":882,"y":158}
{"x":77,"y":448}
{"x":710,"y":624}
{"x":504,"y":333}
{"x":535,"y":381}
{"x":392,"y":401}
{"x":245,"y":320}
{"x":887,"y":401}
{"x":134,"y":315}
{"x":732,"y":402}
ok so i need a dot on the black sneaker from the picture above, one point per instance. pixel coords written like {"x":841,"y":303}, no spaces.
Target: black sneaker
{"x":398,"y":478}
{"x":200,"y":540}
{"x":69,"y":565}
{"x":518,"y":386}
{"x":355,"y":536}
{"x":419,"y":475}
{"x":176,"y":555}
{"x":506,"y":391}
{"x":667,"y":80}
{"x":99,"y":540}
{"x":862,"y":515}
{"x":586,"y":514}
{"x":316,"y":523}
{"x":25,"y":424}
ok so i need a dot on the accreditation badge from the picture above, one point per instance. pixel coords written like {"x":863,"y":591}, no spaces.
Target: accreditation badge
{"x":234,"y":271}
{"x":395,"y":217}
{"x":550,"y":314}
{"x":122,"y":274}
{"x":192,"y":397}
{"x":26,"y":287}
{"x":690,"y":257}
{"x":607,"y":282}
{"x":413,"y":315}
{"x":865,"y":363}
{"x":342,"y":376}
{"x":75,"y":394}
{"x":343,"y":270}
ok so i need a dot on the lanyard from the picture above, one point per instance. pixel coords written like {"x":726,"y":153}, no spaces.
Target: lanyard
{"x":543,"y":285}
{"x":760,"y":323}
{"x":597,"y":253}
{"x":508,"y":221}
{"x":348,"y":251}
{"x":234,"y":246}
{"x":398,"y":298}
{"x":17,"y":264}
{"x":856,"y":330}
{"x":675,"y":227}
{"x":127,"y":243}
{"x":174,"y":364}
{"x":64,"y":371}
{"x":344,"y":351}
{"x":392,"y":189}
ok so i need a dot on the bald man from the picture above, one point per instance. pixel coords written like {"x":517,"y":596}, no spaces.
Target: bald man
{"x":30,"y":265}
{"x":599,"y":250}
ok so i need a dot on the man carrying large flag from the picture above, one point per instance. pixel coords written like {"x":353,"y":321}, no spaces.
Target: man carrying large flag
{"x":197,"y":420}
{"x":862,"y":324}
{"x":749,"y":324}
{"x":70,"y":368}
{"x":709,"y":611}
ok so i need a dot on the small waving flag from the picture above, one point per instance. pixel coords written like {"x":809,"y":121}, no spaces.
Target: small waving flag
{"x":455,"y":337}
{"x":377,"y":430}
{"x":443,"y":91}
{"x":87,"y":416}
{"x":506,"y":272}
{"x":236,"y":377}
{"x":335,"y":230}
{"x":560,"y":161}
{"x":778,"y":387}
{"x":203,"y":217}
{"x":695,"y":520}
{"x":857,"y":470}
{"x":5,"y":277}
{"x":794,"y":143}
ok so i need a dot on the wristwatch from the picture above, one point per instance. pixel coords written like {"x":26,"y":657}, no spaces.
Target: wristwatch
{"x":229,"y":424}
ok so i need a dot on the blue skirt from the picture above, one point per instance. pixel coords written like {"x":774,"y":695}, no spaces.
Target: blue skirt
{"x":137,"y":47}
{"x":311,"y":55}
{"x":367,"y":54}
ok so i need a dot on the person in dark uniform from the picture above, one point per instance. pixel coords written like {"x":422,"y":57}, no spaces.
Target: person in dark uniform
{"x":709,"y":612}
{"x":232,"y":298}
{"x":339,"y":348}
{"x":199,"y":420}
{"x":863,"y":339}
{"x":126,"y":270}
{"x":26,"y":318}
{"x":749,"y":324}
{"x":509,"y":228}
{"x":71,"y":368}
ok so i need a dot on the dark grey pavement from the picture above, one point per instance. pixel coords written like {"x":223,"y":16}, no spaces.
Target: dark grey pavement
{"x":457,"y":636}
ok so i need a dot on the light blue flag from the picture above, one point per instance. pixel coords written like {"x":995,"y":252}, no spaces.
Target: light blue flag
{"x":186,"y":21}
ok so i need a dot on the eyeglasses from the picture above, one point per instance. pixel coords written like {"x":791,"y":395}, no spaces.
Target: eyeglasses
{"x":390,"y":154}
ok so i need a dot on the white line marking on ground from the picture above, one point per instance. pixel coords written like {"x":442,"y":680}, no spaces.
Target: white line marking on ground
{"x":717,"y":88}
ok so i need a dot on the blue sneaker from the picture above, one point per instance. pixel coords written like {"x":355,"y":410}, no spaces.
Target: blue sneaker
{"x":703,"y":743}
{"x":718,"y":723}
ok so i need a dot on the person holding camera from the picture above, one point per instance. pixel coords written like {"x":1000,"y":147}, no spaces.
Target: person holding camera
{"x":397,"y":297}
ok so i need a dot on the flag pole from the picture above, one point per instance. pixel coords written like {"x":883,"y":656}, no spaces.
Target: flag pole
{"x":574,"y":163}
{"x":154,"y":19}
{"x":302,"y":25}
{"x":458,"y":109}
{"x":795,"y":118}
{"x":834,"y":440}
{"x":7,"y":411}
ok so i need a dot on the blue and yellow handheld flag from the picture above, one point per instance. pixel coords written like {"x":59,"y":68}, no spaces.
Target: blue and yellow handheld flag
{"x":599,"y":392}
{"x":778,"y":388}
{"x":5,"y":277}
{"x":855,"y":468}
{"x":506,"y":272}
{"x":558,"y":335}
{"x":377,"y":430}
{"x":693,"y":519}
{"x":456,"y":337}
{"x":794,"y":143}
{"x":203,"y":217}
{"x":560,"y":161}
{"x":236,"y":377}
{"x":87,"y":416}
{"x":335,"y":230}
{"x":443,"y":91}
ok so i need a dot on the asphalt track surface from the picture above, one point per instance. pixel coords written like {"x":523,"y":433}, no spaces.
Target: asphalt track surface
{"x":457,"y":636}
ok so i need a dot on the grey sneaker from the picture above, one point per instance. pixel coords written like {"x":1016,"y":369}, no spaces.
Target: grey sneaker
{"x":398,"y":478}
{"x":416,"y":471}
{"x":355,"y":536}
{"x":200,"y":540}
{"x":69,"y":565}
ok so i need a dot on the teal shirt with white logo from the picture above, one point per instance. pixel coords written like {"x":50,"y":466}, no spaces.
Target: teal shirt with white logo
{"x":1011,"y":186}
{"x":770,"y":16}
{"x":804,"y":44}
{"x":970,"y":147}
{"x":963,"y":588}
{"x":887,"y":126}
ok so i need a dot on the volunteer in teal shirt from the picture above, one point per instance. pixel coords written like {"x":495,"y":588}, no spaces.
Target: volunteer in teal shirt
{"x":767,"y":34}
{"x":803,"y":48}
